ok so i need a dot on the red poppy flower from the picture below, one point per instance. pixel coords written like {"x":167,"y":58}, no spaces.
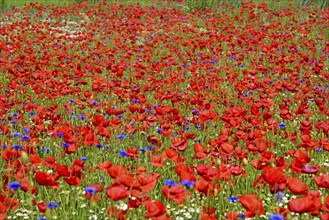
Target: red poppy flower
{"x":237,"y":170}
{"x":133,"y":153}
{"x":308,"y":204}
{"x":310,"y":169}
{"x":205,"y":187}
{"x":200,"y":151}
{"x":231,"y":215}
{"x":227,"y":148}
{"x":252,"y":204}
{"x":157,"y":161}
{"x":148,"y":182}
{"x":154,"y":140}
{"x":126,"y":180}
{"x":62,"y":170}
{"x":137,"y":198}
{"x":296,"y":186}
{"x":116,"y":213}
{"x":179,"y":144}
{"x":324,"y":216}
{"x":274,"y":177}
{"x":42,"y":206}
{"x":154,"y":209}
{"x":104,"y":166}
{"x":35,"y":160}
{"x":322,"y":181}
{"x":72,"y":180}
{"x":45,"y":179}
{"x":117,"y":170}
{"x":90,"y":139}
{"x":170,"y":154}
{"x":176,"y":193}
{"x":117,"y":192}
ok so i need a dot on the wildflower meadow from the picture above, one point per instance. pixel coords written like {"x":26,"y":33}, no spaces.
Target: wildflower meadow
{"x":164,"y":110}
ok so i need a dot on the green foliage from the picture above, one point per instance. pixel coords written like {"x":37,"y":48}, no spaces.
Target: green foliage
{"x":189,"y":4}
{"x":320,"y":3}
{"x":2,"y":5}
{"x":211,"y":4}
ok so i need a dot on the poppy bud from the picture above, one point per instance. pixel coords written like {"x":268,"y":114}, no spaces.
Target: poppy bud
{"x":245,"y":161}
{"x":216,"y":191}
{"x":25,"y":156}
{"x":218,"y":161}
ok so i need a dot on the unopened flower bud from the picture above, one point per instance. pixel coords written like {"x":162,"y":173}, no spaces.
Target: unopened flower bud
{"x":245,"y":161}
{"x":25,"y":156}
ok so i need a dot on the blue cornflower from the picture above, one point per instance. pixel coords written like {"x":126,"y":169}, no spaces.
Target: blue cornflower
{"x":47,"y":150}
{"x":241,"y":215}
{"x":120,"y":116}
{"x":84,"y":158}
{"x":82,"y":116}
{"x":17,"y":147}
{"x":16,"y":134}
{"x":188,"y":183}
{"x":52,"y":205}
{"x":32,"y":113}
{"x":42,"y":218}
{"x":65,"y":144}
{"x":123,"y":153}
{"x":282,"y":125}
{"x":14,"y":185}
{"x":186,"y":128}
{"x":148,"y":111}
{"x":276,"y":217}
{"x":151,"y":147}
{"x":121,"y":136}
{"x":143,"y":150}
{"x":198,"y":127}
{"x":233,"y":199}
{"x":170,"y":183}
{"x":279,"y":197}
{"x":59,"y":134}
{"x":25,"y":137}
{"x":71,"y":100}
{"x":91,"y":190}
{"x":195,"y":112}
{"x":99,"y":146}
{"x":318,"y":150}
{"x":94,"y":102}
{"x":159,"y":130}
{"x":26,"y":130}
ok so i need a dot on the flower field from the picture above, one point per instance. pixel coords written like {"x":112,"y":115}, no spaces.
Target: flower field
{"x":112,"y":111}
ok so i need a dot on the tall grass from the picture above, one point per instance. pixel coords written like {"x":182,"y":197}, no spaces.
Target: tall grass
{"x":190,"y":4}
{"x":212,"y":4}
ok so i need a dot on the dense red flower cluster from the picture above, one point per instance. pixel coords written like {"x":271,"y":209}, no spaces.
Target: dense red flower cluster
{"x":202,"y":98}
